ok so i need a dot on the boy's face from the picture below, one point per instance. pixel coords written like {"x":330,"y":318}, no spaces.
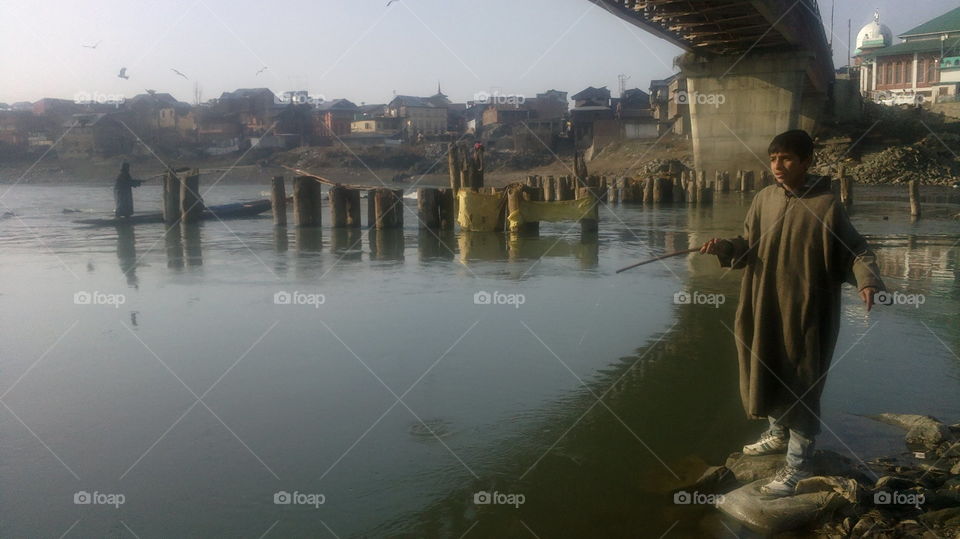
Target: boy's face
{"x":788,"y":168}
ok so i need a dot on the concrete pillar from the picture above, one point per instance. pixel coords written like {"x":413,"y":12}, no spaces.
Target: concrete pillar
{"x":738,"y":105}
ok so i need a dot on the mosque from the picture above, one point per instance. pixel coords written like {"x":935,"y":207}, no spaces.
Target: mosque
{"x":925,"y":64}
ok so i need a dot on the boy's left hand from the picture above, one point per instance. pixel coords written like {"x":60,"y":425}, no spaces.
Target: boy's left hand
{"x":867,"y":296}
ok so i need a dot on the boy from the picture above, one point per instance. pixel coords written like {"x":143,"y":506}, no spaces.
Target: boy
{"x":798,"y":247}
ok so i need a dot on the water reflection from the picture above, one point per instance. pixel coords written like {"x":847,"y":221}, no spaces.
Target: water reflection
{"x":347,"y":243}
{"x":476,"y":246}
{"x":386,"y":244}
{"x":192,"y":244}
{"x":173,"y":243}
{"x":436,"y":244}
{"x":585,"y":248}
{"x":127,"y":253}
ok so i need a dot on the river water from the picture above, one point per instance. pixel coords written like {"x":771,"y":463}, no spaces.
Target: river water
{"x":188,"y":382}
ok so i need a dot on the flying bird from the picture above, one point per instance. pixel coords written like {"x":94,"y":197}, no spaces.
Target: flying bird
{"x":391,"y":1}
{"x":123,"y":73}
{"x":179,"y":73}
{"x":94,"y":45}
{"x":264,"y":68}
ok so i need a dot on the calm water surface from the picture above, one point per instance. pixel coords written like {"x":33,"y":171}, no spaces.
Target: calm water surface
{"x":199,"y":398}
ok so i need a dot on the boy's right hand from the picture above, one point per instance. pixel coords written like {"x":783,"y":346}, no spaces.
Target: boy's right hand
{"x":715,"y":246}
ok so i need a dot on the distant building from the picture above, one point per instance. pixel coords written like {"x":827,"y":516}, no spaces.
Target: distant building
{"x":335,"y":117}
{"x":254,"y":108}
{"x":380,"y":126}
{"x":635,"y":114}
{"x":926,"y":63}
{"x":426,"y":116}
{"x":95,"y":134}
{"x":672,"y":114}
{"x":591,"y":111}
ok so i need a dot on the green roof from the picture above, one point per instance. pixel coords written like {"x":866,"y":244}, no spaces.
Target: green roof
{"x":924,"y":45}
{"x":948,"y":22}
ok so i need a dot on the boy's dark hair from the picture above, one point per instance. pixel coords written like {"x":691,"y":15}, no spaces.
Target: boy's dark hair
{"x":796,"y":141}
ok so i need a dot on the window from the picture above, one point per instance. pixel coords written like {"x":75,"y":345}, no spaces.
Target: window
{"x":922,"y":70}
{"x":897,"y":71}
{"x":932,"y":71}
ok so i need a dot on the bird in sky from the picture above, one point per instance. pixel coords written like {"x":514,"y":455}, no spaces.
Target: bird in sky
{"x":123,"y":73}
{"x":262,"y":69}
{"x":179,"y":73}
{"x":391,"y":1}
{"x":93,"y":46}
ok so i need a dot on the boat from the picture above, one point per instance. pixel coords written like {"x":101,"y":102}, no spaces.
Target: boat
{"x":236,"y":210}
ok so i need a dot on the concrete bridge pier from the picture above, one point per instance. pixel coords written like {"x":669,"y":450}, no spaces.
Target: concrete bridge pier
{"x":737,"y":104}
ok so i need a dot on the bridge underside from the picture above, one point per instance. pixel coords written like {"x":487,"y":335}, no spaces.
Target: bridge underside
{"x":754,"y":68}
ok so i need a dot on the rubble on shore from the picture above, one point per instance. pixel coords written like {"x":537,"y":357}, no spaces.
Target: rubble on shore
{"x":912,"y":494}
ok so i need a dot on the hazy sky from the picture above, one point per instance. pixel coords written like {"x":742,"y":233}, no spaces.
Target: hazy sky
{"x":358,"y":49}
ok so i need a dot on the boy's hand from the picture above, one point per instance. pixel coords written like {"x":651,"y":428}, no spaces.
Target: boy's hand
{"x":867,"y":296}
{"x":715,"y":246}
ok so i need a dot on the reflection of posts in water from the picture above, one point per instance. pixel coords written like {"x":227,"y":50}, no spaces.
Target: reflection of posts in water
{"x":436,"y":245}
{"x":482,"y":246}
{"x":191,"y":204}
{"x":386,"y":244}
{"x":280,"y":245}
{"x":586,"y":249}
{"x":309,"y":239}
{"x":347,"y":243}
{"x":171,"y":198}
{"x":174,"y":246}
{"x":278,"y":202}
{"x":127,"y":253}
{"x":192,"y":248}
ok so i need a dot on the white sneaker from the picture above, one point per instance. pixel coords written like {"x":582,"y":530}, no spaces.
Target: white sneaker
{"x":767,"y":444}
{"x":784,"y":483}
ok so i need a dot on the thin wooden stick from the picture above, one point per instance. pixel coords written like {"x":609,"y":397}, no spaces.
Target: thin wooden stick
{"x":661,"y":257}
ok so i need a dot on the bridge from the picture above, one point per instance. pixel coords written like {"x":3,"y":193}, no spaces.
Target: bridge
{"x":769,"y":59}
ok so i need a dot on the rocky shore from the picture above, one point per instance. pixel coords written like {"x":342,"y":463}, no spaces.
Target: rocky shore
{"x":913,"y":493}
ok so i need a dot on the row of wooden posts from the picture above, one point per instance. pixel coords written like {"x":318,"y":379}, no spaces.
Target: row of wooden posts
{"x":181,"y":197}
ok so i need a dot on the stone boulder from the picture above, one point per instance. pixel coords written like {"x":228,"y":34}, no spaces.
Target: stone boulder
{"x":770,"y":515}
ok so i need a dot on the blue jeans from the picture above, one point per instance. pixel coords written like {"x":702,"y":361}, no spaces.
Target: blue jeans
{"x":800,"y":447}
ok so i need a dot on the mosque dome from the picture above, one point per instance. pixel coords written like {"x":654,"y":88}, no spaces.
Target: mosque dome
{"x":874,"y":35}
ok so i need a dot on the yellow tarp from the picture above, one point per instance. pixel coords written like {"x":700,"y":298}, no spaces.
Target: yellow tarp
{"x":478,"y":212}
{"x":561,"y":210}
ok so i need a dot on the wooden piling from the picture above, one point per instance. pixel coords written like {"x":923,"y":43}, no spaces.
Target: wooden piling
{"x":372,"y":208}
{"x":191,"y":204}
{"x":846,"y":191}
{"x":428,"y":207}
{"x":550,"y":189}
{"x":446,"y":208}
{"x":278,"y":202}
{"x":914,"y":199}
{"x":353,"y":208}
{"x":590,"y":223}
{"x":388,"y":204}
{"x":453,"y":166}
{"x":171,"y":198}
{"x":648,"y":190}
{"x":306,"y":209}
{"x":337,"y":197}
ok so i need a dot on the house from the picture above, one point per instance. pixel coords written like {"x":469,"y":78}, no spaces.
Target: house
{"x":334,"y":118}
{"x":421,"y":116}
{"x":549,"y":105}
{"x":98,"y":134}
{"x":254,"y":108}
{"x":591,"y":106}
{"x":671,"y":114}
{"x":633,"y":111}
{"x":926,"y":63}
{"x":504,"y":114}
{"x":383,"y":125}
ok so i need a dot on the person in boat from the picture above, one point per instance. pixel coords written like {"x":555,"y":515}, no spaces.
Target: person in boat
{"x":797,"y":249}
{"x":123,"y":191}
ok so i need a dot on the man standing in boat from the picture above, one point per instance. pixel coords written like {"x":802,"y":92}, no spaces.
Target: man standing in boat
{"x":123,"y":192}
{"x":797,"y":249}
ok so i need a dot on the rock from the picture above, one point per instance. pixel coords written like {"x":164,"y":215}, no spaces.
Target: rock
{"x":923,"y":431}
{"x":956,"y":469}
{"x":949,"y":450}
{"x":715,"y":480}
{"x":949,"y":517}
{"x":747,"y":468}
{"x":890,"y":482}
{"x":769,"y":515}
{"x":869,"y":521}
{"x":847,"y":488}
